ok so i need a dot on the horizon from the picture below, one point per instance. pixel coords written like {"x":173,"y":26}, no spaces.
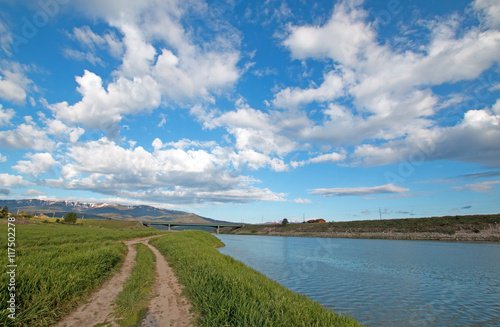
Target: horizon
{"x":291,"y":220}
{"x":254,"y":111}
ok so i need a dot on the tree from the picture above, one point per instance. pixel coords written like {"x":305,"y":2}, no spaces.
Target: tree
{"x":70,"y":217}
{"x":5,"y":212}
{"x":284,"y":222}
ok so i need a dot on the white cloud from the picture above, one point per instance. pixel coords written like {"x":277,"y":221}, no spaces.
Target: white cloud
{"x":38,"y":163}
{"x":166,"y":174}
{"x":81,"y":56}
{"x":323,"y":158}
{"x":33,"y":192}
{"x":26,"y":136}
{"x":482,"y":187}
{"x":14,"y":84}
{"x":475,"y":139}
{"x":5,"y":39}
{"x":8,"y":180}
{"x":3,"y":158}
{"x":161,"y":62}
{"x":330,"y":89}
{"x":392,"y":102}
{"x":92,"y":42}
{"x":102,"y":108}
{"x":342,"y":38}
{"x":301,"y":201}
{"x":358,"y":191}
{"x":58,"y":128}
{"x":6,"y":115}
{"x":491,"y":10}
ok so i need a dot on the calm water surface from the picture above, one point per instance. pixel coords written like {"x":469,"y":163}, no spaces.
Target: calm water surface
{"x":383,"y":282}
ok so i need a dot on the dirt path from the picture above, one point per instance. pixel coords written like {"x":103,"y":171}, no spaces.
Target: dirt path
{"x":167,"y":308}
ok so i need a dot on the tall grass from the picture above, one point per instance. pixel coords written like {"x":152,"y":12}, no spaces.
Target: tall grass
{"x":225,"y":292}
{"x":131,"y":305}
{"x":58,"y":266}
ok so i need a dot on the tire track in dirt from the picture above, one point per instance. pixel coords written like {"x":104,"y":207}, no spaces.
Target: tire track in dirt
{"x":168,"y":308}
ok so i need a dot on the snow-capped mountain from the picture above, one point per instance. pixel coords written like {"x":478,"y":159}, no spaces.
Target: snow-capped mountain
{"x":101,"y":210}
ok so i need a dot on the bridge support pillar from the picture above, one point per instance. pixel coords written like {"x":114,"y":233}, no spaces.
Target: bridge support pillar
{"x":217,"y":229}
{"x":169,"y":227}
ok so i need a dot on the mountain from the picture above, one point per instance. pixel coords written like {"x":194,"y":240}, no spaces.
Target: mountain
{"x":103,"y":211}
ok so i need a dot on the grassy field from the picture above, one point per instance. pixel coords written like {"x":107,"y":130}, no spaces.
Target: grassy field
{"x":473,"y":227}
{"x":97,"y":223}
{"x":131,"y":304}
{"x":58,"y":265}
{"x":225,"y":292}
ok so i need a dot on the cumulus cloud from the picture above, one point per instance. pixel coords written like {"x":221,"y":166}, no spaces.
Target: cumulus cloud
{"x":27,"y":136}
{"x":167,"y":174}
{"x":358,"y":191}
{"x":38,"y":163}
{"x":103,"y":108}
{"x":14,"y":84}
{"x":392,"y":101}
{"x":330,"y":89}
{"x":161,"y":61}
{"x":8,"y":180}
{"x":6,"y":115}
{"x":473,"y":140}
{"x":342,"y":38}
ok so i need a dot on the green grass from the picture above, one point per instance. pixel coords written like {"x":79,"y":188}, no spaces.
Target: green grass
{"x":97,"y":223}
{"x":131,"y":304}
{"x":225,"y":292}
{"x":58,"y":266}
{"x":445,"y":225}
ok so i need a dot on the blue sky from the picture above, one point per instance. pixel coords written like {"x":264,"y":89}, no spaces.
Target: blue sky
{"x":254,"y":111}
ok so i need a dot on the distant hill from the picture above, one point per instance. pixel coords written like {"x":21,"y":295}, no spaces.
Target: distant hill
{"x":103,"y":211}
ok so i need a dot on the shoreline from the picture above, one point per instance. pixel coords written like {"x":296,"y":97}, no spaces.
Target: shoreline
{"x":475,"y":228}
{"x":465,"y":237}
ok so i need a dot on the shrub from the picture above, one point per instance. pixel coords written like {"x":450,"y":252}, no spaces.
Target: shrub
{"x":70,"y":217}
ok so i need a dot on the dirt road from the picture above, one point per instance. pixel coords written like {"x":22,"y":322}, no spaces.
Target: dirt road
{"x":166,"y":308}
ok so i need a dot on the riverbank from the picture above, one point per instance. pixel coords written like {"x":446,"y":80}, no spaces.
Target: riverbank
{"x":476,"y":228}
{"x":225,"y":292}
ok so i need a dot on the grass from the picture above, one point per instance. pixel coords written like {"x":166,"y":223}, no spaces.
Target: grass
{"x":225,"y":292}
{"x":57,"y":266}
{"x":131,"y":304}
{"x":97,"y":223}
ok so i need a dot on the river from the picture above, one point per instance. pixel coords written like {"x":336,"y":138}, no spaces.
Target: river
{"x":383,"y":282}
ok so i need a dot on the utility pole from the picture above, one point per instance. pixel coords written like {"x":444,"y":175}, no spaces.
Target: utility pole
{"x":380,"y":213}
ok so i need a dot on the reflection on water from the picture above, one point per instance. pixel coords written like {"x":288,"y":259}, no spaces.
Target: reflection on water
{"x":383,"y":282}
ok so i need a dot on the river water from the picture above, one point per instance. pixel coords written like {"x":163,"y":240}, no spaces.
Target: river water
{"x":383,"y":282}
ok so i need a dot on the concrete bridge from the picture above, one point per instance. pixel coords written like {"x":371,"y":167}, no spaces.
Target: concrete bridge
{"x":172,"y":224}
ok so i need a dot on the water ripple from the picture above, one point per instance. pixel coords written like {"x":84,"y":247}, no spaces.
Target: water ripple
{"x":383,"y":282}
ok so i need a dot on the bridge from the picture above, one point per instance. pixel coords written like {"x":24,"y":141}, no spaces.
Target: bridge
{"x":172,"y":224}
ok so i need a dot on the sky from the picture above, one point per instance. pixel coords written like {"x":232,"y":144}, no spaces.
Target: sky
{"x":254,"y":111}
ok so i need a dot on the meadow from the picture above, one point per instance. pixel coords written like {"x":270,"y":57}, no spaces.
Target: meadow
{"x":58,"y":265}
{"x":225,"y":292}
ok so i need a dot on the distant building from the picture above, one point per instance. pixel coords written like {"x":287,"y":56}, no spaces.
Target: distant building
{"x":312,"y":221}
